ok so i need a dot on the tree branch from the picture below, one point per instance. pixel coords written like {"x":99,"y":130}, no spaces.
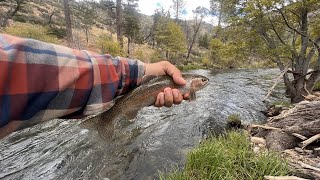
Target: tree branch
{"x":275,"y":31}
{"x":297,"y":31}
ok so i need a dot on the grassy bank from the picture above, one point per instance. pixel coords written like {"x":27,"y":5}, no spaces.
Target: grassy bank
{"x":229,"y":157}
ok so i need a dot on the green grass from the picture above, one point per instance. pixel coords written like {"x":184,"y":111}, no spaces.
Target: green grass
{"x":282,"y":103}
{"x":191,"y":66}
{"x":229,"y":157}
{"x":316,"y":86}
{"x":37,"y":32}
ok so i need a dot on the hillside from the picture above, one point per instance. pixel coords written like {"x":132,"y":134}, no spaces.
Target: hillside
{"x":44,"y":20}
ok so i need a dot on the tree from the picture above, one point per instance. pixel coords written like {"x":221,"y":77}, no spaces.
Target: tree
{"x":291,"y":33}
{"x":200,"y":13}
{"x":132,"y":24}
{"x":67,"y":15}
{"x":178,"y":6}
{"x":109,"y":9}
{"x":170,"y":37}
{"x":119,"y":23}
{"x":224,"y":10}
{"x":14,"y":7}
{"x":204,"y":41}
{"x":87,"y":14}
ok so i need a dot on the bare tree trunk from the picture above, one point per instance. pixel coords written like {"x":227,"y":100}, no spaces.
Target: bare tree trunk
{"x":219,"y":22}
{"x":167,"y":55}
{"x":119,"y":23}
{"x":177,"y":11}
{"x":193,"y":39}
{"x":68,"y":22}
{"x":87,"y":34}
{"x":129,"y":41}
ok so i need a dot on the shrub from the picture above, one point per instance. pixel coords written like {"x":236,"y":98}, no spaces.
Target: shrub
{"x":108,"y":46}
{"x":230,"y":157}
{"x":156,"y":57}
{"x":206,"y":61}
{"x":60,"y":32}
{"x":316,"y":86}
{"x":31,"y":31}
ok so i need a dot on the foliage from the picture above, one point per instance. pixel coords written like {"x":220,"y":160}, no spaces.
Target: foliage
{"x":178,"y":7}
{"x":204,"y":40}
{"x":170,"y":37}
{"x":107,"y":46}
{"x":32,"y":31}
{"x":282,"y":103}
{"x":156,"y":57}
{"x":60,"y":32}
{"x":230,"y":157}
{"x":316,"y":86}
{"x":85,"y":11}
{"x":190,"y":66}
{"x":132,"y":23}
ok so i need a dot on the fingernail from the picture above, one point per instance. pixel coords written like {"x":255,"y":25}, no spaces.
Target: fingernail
{"x":175,"y":94}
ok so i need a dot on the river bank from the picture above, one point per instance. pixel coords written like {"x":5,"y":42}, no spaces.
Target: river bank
{"x":60,"y":149}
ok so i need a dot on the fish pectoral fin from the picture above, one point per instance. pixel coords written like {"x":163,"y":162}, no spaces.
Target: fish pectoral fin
{"x":105,"y":127}
{"x":193,"y":96}
{"x":146,"y":79}
{"x":131,"y":114}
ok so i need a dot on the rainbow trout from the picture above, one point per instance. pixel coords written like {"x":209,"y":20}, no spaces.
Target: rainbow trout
{"x":127,"y":107}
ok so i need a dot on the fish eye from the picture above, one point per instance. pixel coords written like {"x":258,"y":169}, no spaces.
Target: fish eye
{"x":204,"y":80}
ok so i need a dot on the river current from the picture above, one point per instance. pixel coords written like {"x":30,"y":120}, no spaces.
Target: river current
{"x":157,"y":140}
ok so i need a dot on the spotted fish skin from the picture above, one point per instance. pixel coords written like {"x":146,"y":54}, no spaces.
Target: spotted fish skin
{"x":127,"y":107}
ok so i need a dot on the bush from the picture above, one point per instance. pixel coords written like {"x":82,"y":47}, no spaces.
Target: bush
{"x":206,"y":61}
{"x":31,"y":31}
{"x":58,"y":31}
{"x":107,"y":46}
{"x":230,"y":157}
{"x":190,"y":66}
{"x":156,"y":57}
{"x":316,"y":86}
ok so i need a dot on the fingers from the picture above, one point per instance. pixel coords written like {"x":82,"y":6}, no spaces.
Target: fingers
{"x":174,"y":72}
{"x":168,"y":98}
{"x":177,"y":97}
{"x":186,"y":96}
{"x":163,"y":68}
{"x":160,"y":100}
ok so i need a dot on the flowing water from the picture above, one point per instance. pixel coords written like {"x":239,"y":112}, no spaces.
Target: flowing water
{"x":157,"y":140}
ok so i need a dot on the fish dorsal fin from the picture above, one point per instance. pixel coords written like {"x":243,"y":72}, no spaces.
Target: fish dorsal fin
{"x":146,"y":79}
{"x":193,"y":96}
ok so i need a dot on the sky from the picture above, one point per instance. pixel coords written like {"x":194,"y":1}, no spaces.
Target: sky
{"x":148,"y":7}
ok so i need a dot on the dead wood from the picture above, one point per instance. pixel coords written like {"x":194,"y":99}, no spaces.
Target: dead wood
{"x":283,"y":178}
{"x":310,"y":140}
{"x":281,"y":131}
{"x":297,"y":126}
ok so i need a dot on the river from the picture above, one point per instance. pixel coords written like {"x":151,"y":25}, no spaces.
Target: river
{"x":157,"y":140}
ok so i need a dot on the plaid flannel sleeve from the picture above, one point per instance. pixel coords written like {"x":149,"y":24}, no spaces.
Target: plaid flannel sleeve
{"x":40,"y":81}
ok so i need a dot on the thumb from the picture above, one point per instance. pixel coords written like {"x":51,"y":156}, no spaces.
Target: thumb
{"x":175,"y":73}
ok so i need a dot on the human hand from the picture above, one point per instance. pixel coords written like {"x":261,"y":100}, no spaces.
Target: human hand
{"x":169,"y":96}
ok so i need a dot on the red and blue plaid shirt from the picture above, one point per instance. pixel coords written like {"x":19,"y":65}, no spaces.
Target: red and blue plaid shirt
{"x":40,"y":81}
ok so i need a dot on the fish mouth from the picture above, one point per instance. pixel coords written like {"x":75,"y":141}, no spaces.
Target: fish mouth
{"x":206,"y":85}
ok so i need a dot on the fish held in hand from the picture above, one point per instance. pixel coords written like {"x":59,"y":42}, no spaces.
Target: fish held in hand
{"x":127,"y":107}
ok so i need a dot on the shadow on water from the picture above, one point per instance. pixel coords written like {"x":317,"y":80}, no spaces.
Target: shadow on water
{"x":157,"y":140}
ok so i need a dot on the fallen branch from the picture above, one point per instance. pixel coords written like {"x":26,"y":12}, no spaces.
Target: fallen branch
{"x":310,"y":140}
{"x":265,"y":127}
{"x":299,"y":136}
{"x":283,"y":178}
{"x":307,"y":166}
{"x":278,"y":79}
